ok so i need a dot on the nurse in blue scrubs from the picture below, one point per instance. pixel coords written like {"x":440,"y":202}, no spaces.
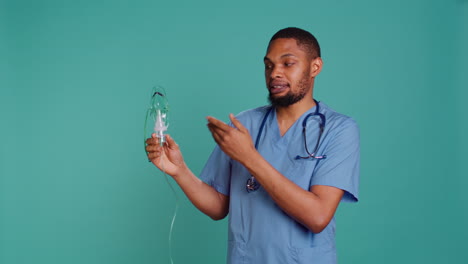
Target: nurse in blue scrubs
{"x":278,"y":171}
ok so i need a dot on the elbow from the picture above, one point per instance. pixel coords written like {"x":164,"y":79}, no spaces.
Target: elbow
{"x":318,"y":225}
{"x":217,"y":217}
{"x":317,"y":228}
{"x":217,"y":211}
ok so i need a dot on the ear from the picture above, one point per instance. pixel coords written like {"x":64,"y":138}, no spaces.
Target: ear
{"x":316,"y":66}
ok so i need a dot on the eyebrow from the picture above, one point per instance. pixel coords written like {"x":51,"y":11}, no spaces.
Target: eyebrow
{"x":282,"y":56}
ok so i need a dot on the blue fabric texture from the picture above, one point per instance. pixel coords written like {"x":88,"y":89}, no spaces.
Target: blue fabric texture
{"x":259,"y":231}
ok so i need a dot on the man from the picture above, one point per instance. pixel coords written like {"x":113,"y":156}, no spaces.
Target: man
{"x":279,"y":171}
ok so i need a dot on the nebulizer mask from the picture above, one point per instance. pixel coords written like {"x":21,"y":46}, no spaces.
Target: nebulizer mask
{"x":157,"y":114}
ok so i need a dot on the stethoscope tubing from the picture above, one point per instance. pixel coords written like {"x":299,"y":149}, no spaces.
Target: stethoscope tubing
{"x":252,"y":184}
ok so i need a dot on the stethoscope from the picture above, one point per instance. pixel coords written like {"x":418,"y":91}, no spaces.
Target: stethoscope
{"x":252,"y":184}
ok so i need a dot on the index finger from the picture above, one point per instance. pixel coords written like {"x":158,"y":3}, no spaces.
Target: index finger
{"x":218,"y":124}
{"x":152,"y":140}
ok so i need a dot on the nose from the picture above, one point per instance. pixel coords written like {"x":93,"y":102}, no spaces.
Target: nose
{"x":276,"y":72}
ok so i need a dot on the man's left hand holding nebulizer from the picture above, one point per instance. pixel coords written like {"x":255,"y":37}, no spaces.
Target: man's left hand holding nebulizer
{"x":161,"y":149}
{"x":167,"y":157}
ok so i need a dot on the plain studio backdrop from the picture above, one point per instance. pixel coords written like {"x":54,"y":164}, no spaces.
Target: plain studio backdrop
{"x":75,"y":82}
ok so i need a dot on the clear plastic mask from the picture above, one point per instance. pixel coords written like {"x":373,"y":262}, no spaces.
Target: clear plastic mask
{"x":157,"y":120}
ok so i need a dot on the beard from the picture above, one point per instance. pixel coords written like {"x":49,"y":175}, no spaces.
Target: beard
{"x":291,"y":98}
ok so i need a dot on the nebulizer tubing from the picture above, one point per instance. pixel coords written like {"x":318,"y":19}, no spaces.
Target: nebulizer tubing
{"x":156,"y":116}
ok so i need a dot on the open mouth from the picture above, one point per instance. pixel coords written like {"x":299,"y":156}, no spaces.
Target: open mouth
{"x":277,"y":87}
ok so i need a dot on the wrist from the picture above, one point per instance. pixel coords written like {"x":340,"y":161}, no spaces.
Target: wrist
{"x":251,"y":160}
{"x":183,"y":170}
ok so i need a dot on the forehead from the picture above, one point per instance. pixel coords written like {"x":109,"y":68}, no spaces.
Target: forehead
{"x":283,"y":46}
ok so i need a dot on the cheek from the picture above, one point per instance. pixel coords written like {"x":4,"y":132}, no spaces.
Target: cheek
{"x":305,"y":75}
{"x":296,"y":75}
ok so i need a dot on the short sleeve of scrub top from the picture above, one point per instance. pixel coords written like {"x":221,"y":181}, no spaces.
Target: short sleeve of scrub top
{"x":218,"y":176}
{"x":341,"y":167}
{"x":218,"y":168}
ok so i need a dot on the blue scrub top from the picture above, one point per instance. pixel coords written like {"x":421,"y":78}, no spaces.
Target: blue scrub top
{"x":259,"y":230}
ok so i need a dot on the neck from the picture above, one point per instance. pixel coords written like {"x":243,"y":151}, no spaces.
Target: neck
{"x":286,"y":116}
{"x":293,"y":112}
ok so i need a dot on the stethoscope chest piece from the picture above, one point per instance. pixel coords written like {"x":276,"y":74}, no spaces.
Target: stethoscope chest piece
{"x":252,"y":184}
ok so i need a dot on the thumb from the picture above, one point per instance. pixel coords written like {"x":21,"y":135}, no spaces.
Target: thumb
{"x":237,"y":123}
{"x":171,"y":143}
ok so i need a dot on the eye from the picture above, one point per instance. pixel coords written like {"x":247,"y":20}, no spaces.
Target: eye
{"x":268,"y":66}
{"x":288,"y":64}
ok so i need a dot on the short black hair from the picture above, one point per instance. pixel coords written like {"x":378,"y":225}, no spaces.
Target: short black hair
{"x":304,"y":38}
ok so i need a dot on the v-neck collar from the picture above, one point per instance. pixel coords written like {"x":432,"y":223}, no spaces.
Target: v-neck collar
{"x":276,"y":134}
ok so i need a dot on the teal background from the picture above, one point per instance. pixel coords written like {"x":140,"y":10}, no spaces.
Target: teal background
{"x":75,"y":78}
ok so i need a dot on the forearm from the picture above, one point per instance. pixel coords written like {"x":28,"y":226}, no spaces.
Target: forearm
{"x":304,"y":206}
{"x":202,"y":196}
